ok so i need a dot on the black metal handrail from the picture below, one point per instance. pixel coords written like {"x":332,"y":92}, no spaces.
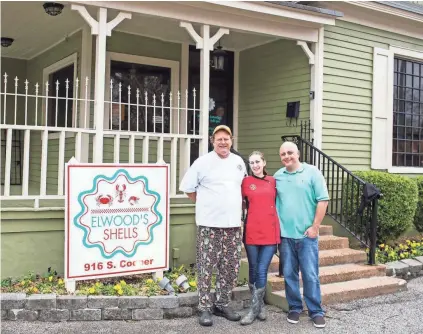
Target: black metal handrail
{"x":346,"y":193}
{"x":16,"y":157}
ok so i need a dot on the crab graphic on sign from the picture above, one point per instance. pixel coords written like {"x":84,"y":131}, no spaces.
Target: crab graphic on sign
{"x":118,"y":214}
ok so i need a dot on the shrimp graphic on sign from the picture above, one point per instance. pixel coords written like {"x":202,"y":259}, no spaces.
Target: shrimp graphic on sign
{"x":116,"y":220}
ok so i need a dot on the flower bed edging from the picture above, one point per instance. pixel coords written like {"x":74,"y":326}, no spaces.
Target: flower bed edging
{"x":52,"y":308}
{"x":406,"y":269}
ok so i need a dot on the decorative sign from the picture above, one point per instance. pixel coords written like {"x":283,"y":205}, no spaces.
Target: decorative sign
{"x":117,"y":220}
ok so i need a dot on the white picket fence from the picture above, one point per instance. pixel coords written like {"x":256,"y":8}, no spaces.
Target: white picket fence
{"x":58,"y":123}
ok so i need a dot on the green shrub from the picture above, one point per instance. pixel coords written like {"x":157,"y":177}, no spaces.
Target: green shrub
{"x":398,"y":205}
{"x":418,"y":218}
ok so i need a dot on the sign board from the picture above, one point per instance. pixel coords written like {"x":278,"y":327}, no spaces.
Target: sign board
{"x":117,"y":220}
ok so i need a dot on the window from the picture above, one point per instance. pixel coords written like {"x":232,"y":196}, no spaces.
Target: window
{"x":407,"y":146}
{"x":60,"y":107}
{"x":151,"y":76}
{"x":397,"y":110}
{"x":153,"y":80}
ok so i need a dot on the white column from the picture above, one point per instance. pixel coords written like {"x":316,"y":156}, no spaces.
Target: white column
{"x":100,"y":84}
{"x":236,"y":100}
{"x":206,"y":44}
{"x":86,"y":59}
{"x":316,"y":105}
{"x":102,"y":29}
{"x":204,"y":90}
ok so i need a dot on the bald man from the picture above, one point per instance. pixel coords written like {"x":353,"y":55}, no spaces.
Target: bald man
{"x":302,"y":199}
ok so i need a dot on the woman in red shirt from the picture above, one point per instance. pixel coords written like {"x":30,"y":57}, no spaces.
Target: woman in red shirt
{"x":261,"y":231}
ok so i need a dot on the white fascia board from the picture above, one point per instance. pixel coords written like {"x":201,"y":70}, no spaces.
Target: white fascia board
{"x":241,"y":20}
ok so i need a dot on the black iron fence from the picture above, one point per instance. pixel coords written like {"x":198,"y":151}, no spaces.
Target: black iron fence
{"x":354,"y":203}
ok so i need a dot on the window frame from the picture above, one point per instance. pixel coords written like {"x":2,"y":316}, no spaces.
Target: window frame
{"x":173,"y":65}
{"x":412,"y":55}
{"x":47,"y":71}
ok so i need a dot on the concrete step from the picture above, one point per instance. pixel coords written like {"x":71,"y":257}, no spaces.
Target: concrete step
{"x":346,"y":291}
{"x":332,"y":242}
{"x":332,"y":274}
{"x":326,"y":258}
{"x":324,"y":230}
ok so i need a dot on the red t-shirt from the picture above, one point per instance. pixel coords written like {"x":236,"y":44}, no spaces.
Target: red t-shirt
{"x":262,"y":222}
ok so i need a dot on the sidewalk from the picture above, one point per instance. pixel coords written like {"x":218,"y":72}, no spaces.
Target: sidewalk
{"x":399,"y":313}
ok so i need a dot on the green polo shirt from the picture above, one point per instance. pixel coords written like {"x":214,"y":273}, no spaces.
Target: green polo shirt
{"x":297,"y":196}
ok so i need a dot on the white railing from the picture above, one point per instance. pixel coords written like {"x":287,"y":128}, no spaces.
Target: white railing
{"x":57,"y":124}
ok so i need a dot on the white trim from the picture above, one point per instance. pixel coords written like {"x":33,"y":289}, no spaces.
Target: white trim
{"x":171,"y":64}
{"x":47,"y":71}
{"x":406,"y":170}
{"x":388,"y":10}
{"x":412,"y":54}
{"x":221,"y":16}
{"x":236,"y":99}
{"x":183,"y":124}
{"x":310,"y":55}
{"x":374,"y":18}
{"x":316,"y":85}
{"x":86,"y":63}
{"x":54,"y":44}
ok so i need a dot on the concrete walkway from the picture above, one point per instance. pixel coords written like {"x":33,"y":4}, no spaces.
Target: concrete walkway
{"x":400,"y":313}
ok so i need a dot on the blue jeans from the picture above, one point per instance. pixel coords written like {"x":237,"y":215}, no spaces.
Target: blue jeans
{"x":302,"y":254}
{"x":259,"y":258}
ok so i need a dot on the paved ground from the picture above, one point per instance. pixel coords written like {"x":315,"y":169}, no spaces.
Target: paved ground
{"x":401,"y":313}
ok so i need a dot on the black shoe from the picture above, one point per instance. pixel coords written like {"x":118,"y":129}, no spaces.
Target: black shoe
{"x":293,"y":317}
{"x":227,"y":313}
{"x":319,"y":322}
{"x":205,"y":319}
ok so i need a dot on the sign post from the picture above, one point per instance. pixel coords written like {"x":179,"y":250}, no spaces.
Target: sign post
{"x":117,"y":220}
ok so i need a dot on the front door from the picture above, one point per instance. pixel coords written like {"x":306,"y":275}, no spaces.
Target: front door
{"x":221,"y":95}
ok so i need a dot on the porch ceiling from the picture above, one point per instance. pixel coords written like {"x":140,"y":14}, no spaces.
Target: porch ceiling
{"x":34,"y":31}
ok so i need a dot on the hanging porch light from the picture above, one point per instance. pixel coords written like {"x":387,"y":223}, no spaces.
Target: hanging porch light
{"x":218,"y":58}
{"x":53,"y":8}
{"x":6,"y":41}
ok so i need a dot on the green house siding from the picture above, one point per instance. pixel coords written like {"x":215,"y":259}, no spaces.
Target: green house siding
{"x":270,"y":76}
{"x":347,"y":89}
{"x":34,"y":240}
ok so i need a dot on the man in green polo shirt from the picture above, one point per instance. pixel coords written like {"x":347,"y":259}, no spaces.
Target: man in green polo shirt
{"x":302,"y":199}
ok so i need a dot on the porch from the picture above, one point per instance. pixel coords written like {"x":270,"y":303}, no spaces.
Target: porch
{"x":147,"y":95}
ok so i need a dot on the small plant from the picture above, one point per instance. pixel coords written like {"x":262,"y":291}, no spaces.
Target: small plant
{"x":399,"y":251}
{"x":418,"y":218}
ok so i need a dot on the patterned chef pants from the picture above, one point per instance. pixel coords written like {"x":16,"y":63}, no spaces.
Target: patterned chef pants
{"x":220,"y":249}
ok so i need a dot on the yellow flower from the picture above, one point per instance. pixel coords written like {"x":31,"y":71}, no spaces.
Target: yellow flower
{"x":120,"y":292}
{"x":117,"y":287}
{"x":123,"y":283}
{"x":382,"y":245}
{"x":408,"y":242}
{"x":418,"y":244}
{"x":97,"y":284}
{"x":34,"y":289}
{"x":414,"y":251}
{"x":193,"y":284}
{"x":23,"y":282}
{"x":50,"y":278}
{"x":60,"y":282}
{"x":149,"y":281}
{"x":91,"y":290}
{"x":402,"y":255}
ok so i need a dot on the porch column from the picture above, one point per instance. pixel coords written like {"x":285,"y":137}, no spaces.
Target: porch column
{"x":206,"y":44}
{"x":102,"y":29}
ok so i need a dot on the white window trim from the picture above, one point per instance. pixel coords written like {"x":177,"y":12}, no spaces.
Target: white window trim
{"x":412,"y":55}
{"x":174,"y":75}
{"x":70,"y":60}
